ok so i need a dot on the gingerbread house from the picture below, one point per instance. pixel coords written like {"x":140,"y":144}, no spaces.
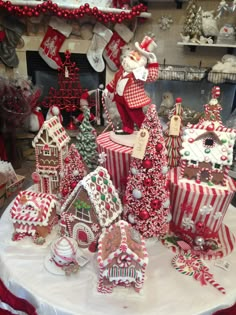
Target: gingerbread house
{"x":207,"y":148}
{"x":122,"y":258}
{"x":34,"y":214}
{"x":51,"y":148}
{"x":93,"y":204}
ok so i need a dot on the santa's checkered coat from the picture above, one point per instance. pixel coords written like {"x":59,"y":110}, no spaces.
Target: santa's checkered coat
{"x":134,"y":93}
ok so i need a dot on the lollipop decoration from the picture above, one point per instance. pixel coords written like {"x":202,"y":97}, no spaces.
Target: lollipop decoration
{"x":191,"y":265}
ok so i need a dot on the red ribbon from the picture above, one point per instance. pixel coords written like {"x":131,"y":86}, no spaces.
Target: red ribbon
{"x":146,"y":43}
{"x":203,"y":275}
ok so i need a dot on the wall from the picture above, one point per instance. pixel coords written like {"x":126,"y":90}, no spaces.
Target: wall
{"x":167,"y":40}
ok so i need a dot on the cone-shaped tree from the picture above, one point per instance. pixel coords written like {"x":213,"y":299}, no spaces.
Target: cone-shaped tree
{"x":74,"y":171}
{"x":146,"y":202}
{"x":86,"y":141}
{"x":173,"y":135}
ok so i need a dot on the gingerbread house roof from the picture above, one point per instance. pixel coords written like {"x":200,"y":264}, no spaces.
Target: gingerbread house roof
{"x":120,"y":238}
{"x":33,"y":208}
{"x":102,"y":194}
{"x":195,"y":147}
{"x":55,"y":131}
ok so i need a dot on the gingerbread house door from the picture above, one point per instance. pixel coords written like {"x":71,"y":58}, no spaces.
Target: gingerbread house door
{"x":205,"y":175}
{"x":83,"y":234}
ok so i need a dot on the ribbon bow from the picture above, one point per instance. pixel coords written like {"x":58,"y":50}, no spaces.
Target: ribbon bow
{"x":203,"y":275}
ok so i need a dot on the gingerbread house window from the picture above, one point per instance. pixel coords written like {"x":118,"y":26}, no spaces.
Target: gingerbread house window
{"x":217,"y":166}
{"x":193,"y":162}
{"x":208,"y":142}
{"x":46,"y":152}
{"x":83,"y":215}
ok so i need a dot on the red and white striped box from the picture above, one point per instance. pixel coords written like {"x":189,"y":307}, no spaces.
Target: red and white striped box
{"x":198,"y":209}
{"x":117,"y":160}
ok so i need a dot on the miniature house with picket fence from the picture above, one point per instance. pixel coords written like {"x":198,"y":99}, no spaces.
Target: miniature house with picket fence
{"x":51,"y":148}
{"x":122,"y":258}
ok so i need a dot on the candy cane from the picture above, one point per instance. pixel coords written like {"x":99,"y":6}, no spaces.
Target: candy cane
{"x":216,"y":285}
{"x":124,"y":261}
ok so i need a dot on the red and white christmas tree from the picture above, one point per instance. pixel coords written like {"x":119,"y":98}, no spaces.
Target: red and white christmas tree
{"x":146,"y":202}
{"x":173,"y":134}
{"x":74,"y":171}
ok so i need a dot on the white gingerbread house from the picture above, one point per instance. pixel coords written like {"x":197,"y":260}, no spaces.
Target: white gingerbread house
{"x":34,"y":214}
{"x":122,"y":258}
{"x":207,"y":148}
{"x":92,"y":205}
{"x":51,"y":148}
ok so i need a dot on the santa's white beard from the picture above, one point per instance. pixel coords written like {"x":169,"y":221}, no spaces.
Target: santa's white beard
{"x":129,"y":64}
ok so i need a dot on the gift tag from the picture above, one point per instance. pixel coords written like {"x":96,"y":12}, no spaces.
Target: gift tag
{"x":141,"y":73}
{"x":140,"y":144}
{"x":174,"y":125}
{"x":223,"y":264}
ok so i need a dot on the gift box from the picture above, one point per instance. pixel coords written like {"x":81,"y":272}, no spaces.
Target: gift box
{"x":117,"y":161}
{"x":197,"y":213}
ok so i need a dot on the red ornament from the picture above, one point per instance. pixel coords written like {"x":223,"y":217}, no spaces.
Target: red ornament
{"x":67,"y":160}
{"x":144,"y":215}
{"x":147,"y":164}
{"x":210,"y":127}
{"x":155,"y":204}
{"x":73,"y":185}
{"x":159,"y":147}
{"x":147,"y":182}
{"x":65,"y":192}
{"x":101,"y":173}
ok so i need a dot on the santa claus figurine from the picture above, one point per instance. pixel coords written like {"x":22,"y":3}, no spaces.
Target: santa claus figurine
{"x":127,"y":86}
{"x":54,"y":111}
{"x":36,"y":120}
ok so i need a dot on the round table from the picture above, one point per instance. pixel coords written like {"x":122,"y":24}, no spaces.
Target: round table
{"x":165,"y":290}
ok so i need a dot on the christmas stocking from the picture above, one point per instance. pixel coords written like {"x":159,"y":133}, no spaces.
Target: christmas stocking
{"x":101,"y":37}
{"x":121,"y":36}
{"x":56,"y":34}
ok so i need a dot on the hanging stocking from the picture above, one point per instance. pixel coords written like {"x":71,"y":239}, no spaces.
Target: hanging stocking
{"x":56,"y":34}
{"x":121,"y":36}
{"x":101,"y":37}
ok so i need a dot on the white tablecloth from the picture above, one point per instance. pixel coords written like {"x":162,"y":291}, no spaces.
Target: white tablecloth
{"x":165,"y":290}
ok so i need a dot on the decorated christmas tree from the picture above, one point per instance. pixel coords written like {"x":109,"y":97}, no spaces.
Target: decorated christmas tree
{"x":86,"y":141}
{"x":74,"y":171}
{"x":193,"y":23}
{"x":146,"y":202}
{"x":173,"y":134}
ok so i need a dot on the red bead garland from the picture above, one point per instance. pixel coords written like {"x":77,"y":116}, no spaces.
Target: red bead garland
{"x":53,"y":9}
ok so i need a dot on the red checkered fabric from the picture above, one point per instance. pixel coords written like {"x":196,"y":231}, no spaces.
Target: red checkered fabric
{"x":134,"y":93}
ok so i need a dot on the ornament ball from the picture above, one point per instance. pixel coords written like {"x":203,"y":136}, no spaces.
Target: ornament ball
{"x":147,"y":182}
{"x":199,"y":241}
{"x":159,"y":147}
{"x":131,"y":218}
{"x":144,"y":215}
{"x":147,"y":164}
{"x":137,"y":193}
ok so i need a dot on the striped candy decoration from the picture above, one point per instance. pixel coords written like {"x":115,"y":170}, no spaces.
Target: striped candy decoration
{"x":118,"y":159}
{"x":190,"y":265}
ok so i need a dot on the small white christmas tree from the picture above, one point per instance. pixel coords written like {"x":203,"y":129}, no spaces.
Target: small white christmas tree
{"x":146,"y":202}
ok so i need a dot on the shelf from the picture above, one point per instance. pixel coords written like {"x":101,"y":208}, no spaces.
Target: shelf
{"x":193,"y":46}
{"x":206,"y":45}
